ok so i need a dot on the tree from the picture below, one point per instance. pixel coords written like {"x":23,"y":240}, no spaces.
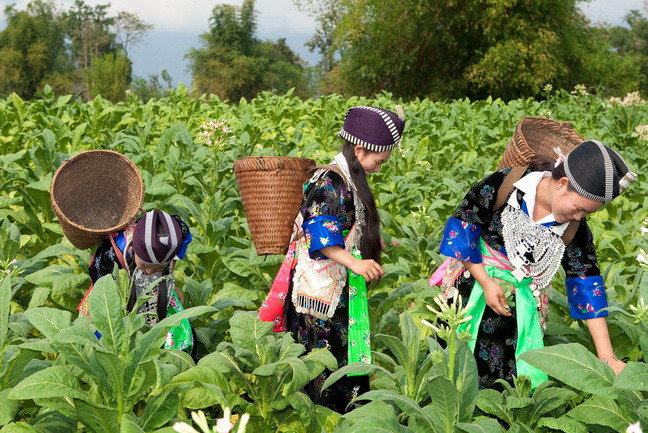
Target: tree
{"x":456,"y":48}
{"x":130,"y":29}
{"x":32,"y":48}
{"x":89,"y":30}
{"x":632,"y":42}
{"x":233,"y":63}
{"x":109,"y":76}
{"x":152,"y":88}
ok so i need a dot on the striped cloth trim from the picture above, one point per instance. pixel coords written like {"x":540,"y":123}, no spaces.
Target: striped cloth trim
{"x":609,"y":177}
{"x":365,"y":144}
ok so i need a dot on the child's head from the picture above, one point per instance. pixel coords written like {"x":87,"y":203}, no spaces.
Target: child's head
{"x":157,"y":239}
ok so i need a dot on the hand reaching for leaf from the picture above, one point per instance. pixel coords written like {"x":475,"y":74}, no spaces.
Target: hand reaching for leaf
{"x":495,"y":298}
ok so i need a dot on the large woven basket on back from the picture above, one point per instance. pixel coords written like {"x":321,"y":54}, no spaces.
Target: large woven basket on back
{"x":271,"y":191}
{"x":537,"y":135}
{"x":95,"y":193}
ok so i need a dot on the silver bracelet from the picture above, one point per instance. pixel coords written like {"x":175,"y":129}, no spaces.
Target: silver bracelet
{"x":605,"y":360}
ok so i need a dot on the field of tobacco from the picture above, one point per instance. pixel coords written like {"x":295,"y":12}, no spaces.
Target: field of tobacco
{"x":55,"y":376}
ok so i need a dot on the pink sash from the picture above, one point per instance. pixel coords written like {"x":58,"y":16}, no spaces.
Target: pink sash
{"x":272,"y":309}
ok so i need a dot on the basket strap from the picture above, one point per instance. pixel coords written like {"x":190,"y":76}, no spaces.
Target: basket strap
{"x":507,"y":186}
{"x":118,"y":252}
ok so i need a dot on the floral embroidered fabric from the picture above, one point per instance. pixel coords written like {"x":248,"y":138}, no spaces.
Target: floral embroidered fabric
{"x":497,"y":338}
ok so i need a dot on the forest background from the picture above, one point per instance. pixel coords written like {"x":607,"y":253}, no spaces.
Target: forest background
{"x":412,"y":49}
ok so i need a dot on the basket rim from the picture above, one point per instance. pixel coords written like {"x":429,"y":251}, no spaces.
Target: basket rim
{"x":77,"y":226}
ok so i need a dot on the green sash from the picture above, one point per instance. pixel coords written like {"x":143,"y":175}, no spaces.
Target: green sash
{"x":178,"y":337}
{"x":359,"y":344}
{"x":529,"y":332}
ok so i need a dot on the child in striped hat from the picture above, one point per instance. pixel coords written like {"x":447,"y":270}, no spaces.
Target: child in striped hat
{"x":148,"y":250}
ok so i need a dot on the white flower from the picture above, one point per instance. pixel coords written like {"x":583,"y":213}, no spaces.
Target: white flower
{"x":223,"y":425}
{"x":634,"y":428}
{"x":630,"y":99}
{"x":641,"y":131}
{"x":244,"y":420}
{"x":183,"y":427}
{"x":200,"y":419}
{"x":548,"y":88}
{"x":579,"y":90}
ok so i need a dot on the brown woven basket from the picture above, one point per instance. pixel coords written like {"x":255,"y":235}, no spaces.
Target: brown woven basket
{"x":537,"y":135}
{"x":95,"y":193}
{"x":271,"y":191}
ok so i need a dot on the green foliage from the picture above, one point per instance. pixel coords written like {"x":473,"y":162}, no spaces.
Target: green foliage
{"x":80,"y":50}
{"x":185,"y":148}
{"x":109,"y":76}
{"x":464,"y":49}
{"x":32,"y":47}
{"x":234,"y":64}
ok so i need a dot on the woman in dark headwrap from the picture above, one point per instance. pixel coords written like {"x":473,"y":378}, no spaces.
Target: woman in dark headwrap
{"x":148,"y":250}
{"x":319,"y":294}
{"x":514,"y":238}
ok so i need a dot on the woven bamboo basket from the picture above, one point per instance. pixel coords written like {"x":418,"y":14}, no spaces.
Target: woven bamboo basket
{"x":271,"y":191}
{"x":95,"y":193}
{"x":537,"y":135}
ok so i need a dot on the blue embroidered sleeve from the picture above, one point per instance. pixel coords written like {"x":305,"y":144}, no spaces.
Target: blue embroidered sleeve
{"x":586,"y":297}
{"x":322,"y":231}
{"x":185,"y":243}
{"x":461,"y":241}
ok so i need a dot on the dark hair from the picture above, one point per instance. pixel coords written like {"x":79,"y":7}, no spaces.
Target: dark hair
{"x":546,"y":163}
{"x":370,"y":244}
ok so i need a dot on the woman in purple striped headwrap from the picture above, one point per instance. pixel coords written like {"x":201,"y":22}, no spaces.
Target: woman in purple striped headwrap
{"x":320,"y":297}
{"x":148,"y":250}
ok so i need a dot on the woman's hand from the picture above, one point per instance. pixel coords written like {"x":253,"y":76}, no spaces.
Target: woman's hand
{"x":494,"y":296}
{"x":616,"y":365}
{"x":369,"y":269}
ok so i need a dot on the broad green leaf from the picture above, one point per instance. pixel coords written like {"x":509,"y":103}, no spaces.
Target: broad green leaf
{"x":564,"y":424}
{"x":159,"y":410}
{"x":602,"y":411}
{"x":445,"y":399}
{"x":481,"y":426}
{"x":322,"y":356}
{"x":19,"y":427}
{"x":353,"y":368}
{"x":634,"y":377}
{"x":54,"y":422}
{"x":97,"y":417}
{"x":5,"y":299}
{"x":492,"y":402}
{"x":574,"y":365}
{"x":52,"y":382}
{"x":49,"y":321}
{"x":129,"y":425}
{"x":106,"y":311}
{"x":247,"y":331}
{"x":8,"y":408}
{"x":408,"y":406}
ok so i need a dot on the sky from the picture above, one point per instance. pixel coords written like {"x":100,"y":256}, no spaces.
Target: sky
{"x":178,"y":24}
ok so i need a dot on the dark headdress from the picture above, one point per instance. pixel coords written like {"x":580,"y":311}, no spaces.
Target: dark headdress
{"x":373,"y":128}
{"x":597,"y":172}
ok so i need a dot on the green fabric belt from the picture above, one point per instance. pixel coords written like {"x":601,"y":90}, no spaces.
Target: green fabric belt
{"x":359,"y":344}
{"x":529,"y":333}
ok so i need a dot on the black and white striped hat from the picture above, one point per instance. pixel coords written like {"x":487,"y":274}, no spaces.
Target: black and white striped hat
{"x":157,"y":238}
{"x":597,"y":172}
{"x":373,"y":128}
